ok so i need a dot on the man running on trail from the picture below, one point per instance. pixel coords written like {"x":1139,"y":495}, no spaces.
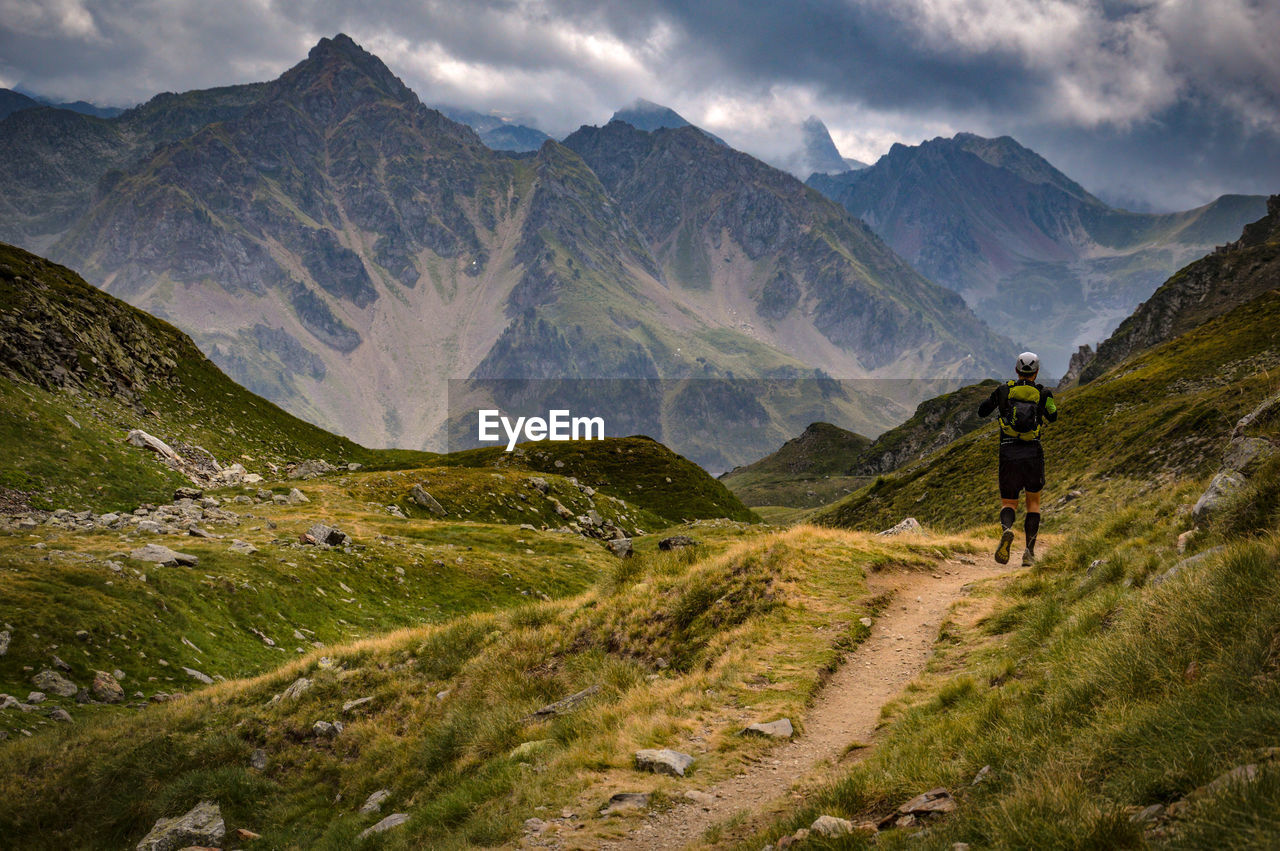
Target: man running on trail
{"x":1024,"y":408}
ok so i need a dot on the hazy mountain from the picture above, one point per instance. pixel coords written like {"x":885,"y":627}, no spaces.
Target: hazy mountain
{"x":498,"y":132}
{"x":1035,"y":255}
{"x":820,"y":151}
{"x":11,"y":102}
{"x":343,"y":250}
{"x":647,"y":115}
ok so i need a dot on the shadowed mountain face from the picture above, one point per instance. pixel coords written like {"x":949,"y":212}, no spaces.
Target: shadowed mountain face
{"x":343,"y":250}
{"x":1036,"y":256}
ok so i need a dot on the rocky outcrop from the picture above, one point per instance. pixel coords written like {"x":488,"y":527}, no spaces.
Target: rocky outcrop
{"x":1229,"y":277}
{"x":201,"y":826}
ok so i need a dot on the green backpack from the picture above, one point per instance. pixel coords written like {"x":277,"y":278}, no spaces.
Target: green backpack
{"x":1020,"y":414}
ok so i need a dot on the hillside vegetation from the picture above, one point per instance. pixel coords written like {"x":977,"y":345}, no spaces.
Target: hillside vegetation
{"x":672,"y":649}
{"x":1161,"y":417}
{"x":1121,"y":695}
{"x":826,"y":462}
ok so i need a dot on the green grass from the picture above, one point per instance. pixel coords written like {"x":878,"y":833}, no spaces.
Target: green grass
{"x":680,"y":644}
{"x":638,"y":470}
{"x":150,"y":621}
{"x":1161,"y":417}
{"x":1093,"y":692}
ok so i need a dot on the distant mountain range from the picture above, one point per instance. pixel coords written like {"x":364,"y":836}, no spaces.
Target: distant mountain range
{"x":498,"y":132}
{"x":342,"y":249}
{"x":1034,"y":254}
{"x":11,"y":101}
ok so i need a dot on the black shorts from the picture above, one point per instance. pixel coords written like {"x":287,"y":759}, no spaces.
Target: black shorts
{"x":1019,"y":474}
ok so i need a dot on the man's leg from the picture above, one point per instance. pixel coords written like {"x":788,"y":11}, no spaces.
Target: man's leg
{"x":1008,"y":511}
{"x":1031,"y":526}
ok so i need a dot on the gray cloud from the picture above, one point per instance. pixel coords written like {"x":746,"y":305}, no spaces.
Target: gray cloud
{"x":1165,"y":104}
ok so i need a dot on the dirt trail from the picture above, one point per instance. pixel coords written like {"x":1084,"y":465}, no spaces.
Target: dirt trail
{"x":846,"y":710}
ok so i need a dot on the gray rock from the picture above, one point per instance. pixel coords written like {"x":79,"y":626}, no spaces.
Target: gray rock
{"x":233,"y":474}
{"x":196,"y":675}
{"x":934,"y":801}
{"x":1239,"y":776}
{"x":621,"y":547}
{"x":701,"y":798}
{"x":160,"y":554}
{"x":356,"y":704}
{"x":908,"y":526}
{"x":196,"y":532}
{"x":296,"y":497}
{"x":187,"y":493}
{"x":831,"y":826}
{"x":202,"y":826}
{"x":258,"y":759}
{"x":983,"y":774}
{"x":780,"y":729}
{"x":105,"y":688}
{"x":420,"y":496}
{"x":60,"y":714}
{"x":534,"y":825}
{"x":664,"y":761}
{"x":310,"y":469}
{"x":373,"y":803}
{"x":1191,"y":561}
{"x":1260,"y":412}
{"x":1246,"y":454}
{"x":676,"y":542}
{"x":142,"y":440}
{"x":36,"y":697}
{"x":52,"y":681}
{"x":4,"y":642}
{"x":242,"y":547}
{"x":625,"y":802}
{"x":559,"y":508}
{"x":328,"y":535}
{"x":326,"y":729}
{"x":1146,"y":814}
{"x":539,"y":483}
{"x":151,"y":527}
{"x":1225,"y":485}
{"x":296,"y":689}
{"x":393,"y":820}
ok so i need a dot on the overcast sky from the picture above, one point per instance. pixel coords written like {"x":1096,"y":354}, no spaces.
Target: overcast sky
{"x":1157,"y":103}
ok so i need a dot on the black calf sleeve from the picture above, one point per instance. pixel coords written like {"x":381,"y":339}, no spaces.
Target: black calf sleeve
{"x":1007,"y":515}
{"x":1031,"y":525}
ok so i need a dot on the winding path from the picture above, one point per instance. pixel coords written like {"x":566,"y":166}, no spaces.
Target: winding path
{"x":845,"y":712}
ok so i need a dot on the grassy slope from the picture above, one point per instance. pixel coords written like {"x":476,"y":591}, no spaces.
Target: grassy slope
{"x":401,"y":572}
{"x":807,"y":471}
{"x":636,"y":469}
{"x":138,"y":372}
{"x":1161,"y":416}
{"x":1093,"y":692}
{"x":827,"y":463}
{"x":686,"y":648}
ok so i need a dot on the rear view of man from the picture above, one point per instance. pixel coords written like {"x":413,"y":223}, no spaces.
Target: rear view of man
{"x":1024,"y":408}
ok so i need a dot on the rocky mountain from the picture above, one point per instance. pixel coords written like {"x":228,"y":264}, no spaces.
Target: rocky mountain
{"x":343,"y":250}
{"x":496,"y":131}
{"x":1032,"y":252}
{"x":1229,"y":277}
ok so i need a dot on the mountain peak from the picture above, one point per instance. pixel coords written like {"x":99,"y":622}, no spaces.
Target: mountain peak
{"x":339,"y":63}
{"x":649,"y":116}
